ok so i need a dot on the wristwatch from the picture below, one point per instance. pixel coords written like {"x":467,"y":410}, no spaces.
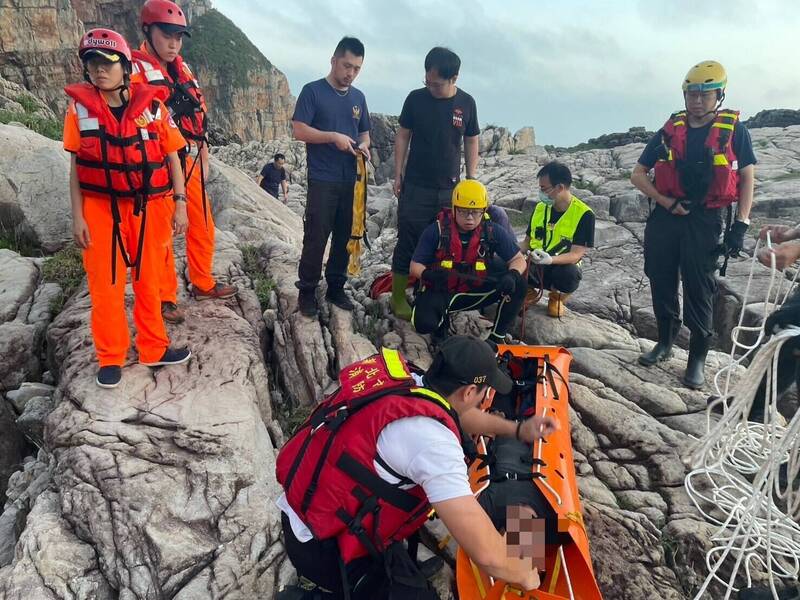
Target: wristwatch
{"x":179,"y":197}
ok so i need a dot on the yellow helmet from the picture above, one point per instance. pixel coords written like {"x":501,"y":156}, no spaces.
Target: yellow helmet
{"x":705,"y":76}
{"x":470,"y":193}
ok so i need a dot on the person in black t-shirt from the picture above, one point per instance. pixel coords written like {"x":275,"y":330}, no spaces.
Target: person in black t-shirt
{"x":704,"y":162}
{"x":435,"y":119}
{"x":560,"y":231}
{"x":273,"y":175}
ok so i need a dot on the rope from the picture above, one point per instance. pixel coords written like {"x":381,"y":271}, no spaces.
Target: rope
{"x":736,"y":480}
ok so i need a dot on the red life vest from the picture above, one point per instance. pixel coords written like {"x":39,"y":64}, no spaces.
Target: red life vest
{"x":182,"y":96}
{"x":723,"y":189}
{"x":328,"y":468}
{"x":470,"y":261}
{"x":120,"y":158}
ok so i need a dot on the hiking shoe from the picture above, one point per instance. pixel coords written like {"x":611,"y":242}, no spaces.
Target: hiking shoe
{"x":171,"y":312}
{"x":220,"y":291}
{"x":307,"y":303}
{"x":337,"y":297}
{"x":109,"y":376}
{"x":171,"y":356}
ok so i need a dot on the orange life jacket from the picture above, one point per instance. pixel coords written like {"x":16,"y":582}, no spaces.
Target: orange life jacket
{"x":723,"y":185}
{"x":182,"y":95}
{"x":121,"y":159}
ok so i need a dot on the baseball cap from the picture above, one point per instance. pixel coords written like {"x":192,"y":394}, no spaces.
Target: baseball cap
{"x":104,"y":54}
{"x":170,"y":28}
{"x":468,"y":361}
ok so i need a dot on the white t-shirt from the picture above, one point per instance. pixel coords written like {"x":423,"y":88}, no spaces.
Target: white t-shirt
{"x":419,"y":448}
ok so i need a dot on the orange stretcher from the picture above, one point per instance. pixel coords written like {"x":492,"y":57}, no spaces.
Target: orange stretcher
{"x":568,"y":574}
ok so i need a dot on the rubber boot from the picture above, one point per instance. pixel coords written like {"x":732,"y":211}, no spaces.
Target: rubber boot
{"x":667,"y":329}
{"x":399,"y":303}
{"x":555,"y":304}
{"x":695,"y":377}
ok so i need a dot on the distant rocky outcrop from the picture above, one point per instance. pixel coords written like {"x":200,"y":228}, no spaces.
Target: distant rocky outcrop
{"x":249,"y":99}
{"x":774,"y":117}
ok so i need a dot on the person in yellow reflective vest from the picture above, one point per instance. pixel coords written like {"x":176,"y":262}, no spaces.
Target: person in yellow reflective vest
{"x":560,"y":231}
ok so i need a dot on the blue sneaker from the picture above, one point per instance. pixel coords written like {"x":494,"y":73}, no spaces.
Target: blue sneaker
{"x":171,"y":356}
{"x":109,"y":376}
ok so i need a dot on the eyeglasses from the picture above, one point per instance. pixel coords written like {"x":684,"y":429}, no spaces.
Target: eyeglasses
{"x":547,"y":190}
{"x":701,"y":95}
{"x":475,"y":213}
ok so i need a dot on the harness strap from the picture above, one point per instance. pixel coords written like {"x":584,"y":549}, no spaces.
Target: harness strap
{"x":379,"y":487}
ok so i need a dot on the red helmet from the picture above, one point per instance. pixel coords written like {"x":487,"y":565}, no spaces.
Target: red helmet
{"x":105,"y":42}
{"x":164,"y":12}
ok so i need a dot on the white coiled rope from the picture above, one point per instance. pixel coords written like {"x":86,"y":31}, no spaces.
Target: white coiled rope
{"x":735,"y":482}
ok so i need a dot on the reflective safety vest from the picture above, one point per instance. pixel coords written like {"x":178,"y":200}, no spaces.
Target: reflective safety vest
{"x":120,"y":159}
{"x":723,"y":184}
{"x":556,"y":238}
{"x":328,"y":469}
{"x":182,"y":96}
{"x":468,"y":264}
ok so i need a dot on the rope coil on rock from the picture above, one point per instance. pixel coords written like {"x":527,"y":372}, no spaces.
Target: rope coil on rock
{"x":736,"y":480}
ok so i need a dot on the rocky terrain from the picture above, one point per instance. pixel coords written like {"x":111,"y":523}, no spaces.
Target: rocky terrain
{"x":248,"y":97}
{"x":165,"y":486}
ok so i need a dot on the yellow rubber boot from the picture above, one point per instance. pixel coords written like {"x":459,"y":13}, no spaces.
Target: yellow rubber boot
{"x":555,"y":305}
{"x":399,"y":303}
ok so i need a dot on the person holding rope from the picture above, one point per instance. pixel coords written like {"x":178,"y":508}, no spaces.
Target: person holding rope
{"x":464,"y":261}
{"x":704,"y":162}
{"x":127,"y":196}
{"x":158,"y":62}
{"x":559,"y":233}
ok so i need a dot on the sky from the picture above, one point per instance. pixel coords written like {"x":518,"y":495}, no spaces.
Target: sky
{"x":572,"y":69}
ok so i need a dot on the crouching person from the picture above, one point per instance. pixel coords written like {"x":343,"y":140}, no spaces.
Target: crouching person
{"x":464,"y":261}
{"x":560,"y":231}
{"x":362,"y":473}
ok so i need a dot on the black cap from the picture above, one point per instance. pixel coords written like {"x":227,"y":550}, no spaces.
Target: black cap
{"x":170,"y":28}
{"x":470,"y":361}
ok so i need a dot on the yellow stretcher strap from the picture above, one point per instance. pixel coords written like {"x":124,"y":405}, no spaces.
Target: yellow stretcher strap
{"x":359,"y":226}
{"x":445,"y":540}
{"x":556,"y":572}
{"x":478,"y":579}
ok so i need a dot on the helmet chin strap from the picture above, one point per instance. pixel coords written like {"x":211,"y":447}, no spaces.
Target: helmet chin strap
{"x":149,"y":37}
{"x":716,"y":108}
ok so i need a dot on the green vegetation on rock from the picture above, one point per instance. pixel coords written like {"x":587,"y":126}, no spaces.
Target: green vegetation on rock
{"x":220,"y":46}
{"x":65,"y":268}
{"x":262,"y":283}
{"x":29,"y":117}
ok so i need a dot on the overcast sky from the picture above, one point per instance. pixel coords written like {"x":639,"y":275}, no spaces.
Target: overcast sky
{"x":573,"y":69}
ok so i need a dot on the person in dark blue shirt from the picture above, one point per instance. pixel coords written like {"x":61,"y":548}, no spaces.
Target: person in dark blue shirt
{"x":704,"y":164}
{"x":464,"y":262}
{"x":331,"y":117}
{"x":273,"y":175}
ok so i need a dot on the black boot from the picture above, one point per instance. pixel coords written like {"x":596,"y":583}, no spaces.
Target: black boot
{"x":695,"y":367}
{"x":667,"y":330}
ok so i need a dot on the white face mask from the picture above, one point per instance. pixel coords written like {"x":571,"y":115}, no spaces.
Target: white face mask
{"x":545,"y":199}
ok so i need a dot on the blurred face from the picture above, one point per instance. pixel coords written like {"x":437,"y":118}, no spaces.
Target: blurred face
{"x":468,"y":219}
{"x":438,"y":87}
{"x":279,"y":162}
{"x":699,"y":104}
{"x":345,"y":69}
{"x":105,"y":75}
{"x":166,"y":45}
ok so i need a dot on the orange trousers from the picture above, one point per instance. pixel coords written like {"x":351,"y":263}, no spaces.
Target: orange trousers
{"x":199,"y":240}
{"x":109,"y":321}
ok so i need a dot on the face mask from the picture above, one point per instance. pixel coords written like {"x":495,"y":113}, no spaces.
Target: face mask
{"x":545,"y":199}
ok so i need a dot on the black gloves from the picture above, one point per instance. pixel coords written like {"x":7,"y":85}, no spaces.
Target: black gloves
{"x":788,"y":314}
{"x":435,"y":279}
{"x":734,"y":238}
{"x":509,"y":282}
